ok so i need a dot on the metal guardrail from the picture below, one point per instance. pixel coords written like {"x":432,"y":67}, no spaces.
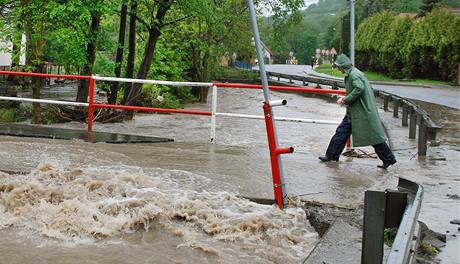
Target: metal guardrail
{"x":307,"y":79}
{"x":392,"y":209}
{"x":404,"y":249}
{"x":412,"y":116}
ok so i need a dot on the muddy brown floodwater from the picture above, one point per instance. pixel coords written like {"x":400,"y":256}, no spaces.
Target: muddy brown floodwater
{"x":179,"y":202}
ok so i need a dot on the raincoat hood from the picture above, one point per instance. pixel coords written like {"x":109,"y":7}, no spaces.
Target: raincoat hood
{"x":344,"y":62}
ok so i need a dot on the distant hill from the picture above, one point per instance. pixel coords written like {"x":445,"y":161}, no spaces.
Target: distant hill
{"x":317,"y":17}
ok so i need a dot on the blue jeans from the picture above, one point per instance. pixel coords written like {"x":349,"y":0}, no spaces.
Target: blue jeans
{"x":341,"y":136}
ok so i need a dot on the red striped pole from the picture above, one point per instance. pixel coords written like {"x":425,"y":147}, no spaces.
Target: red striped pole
{"x":277,"y":188}
{"x":90,"y":110}
{"x":280,"y":88}
{"x":32,"y":74}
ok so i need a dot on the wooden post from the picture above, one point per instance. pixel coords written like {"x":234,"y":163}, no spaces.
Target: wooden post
{"x":396,"y":103}
{"x":412,"y":123}
{"x":405,"y":115}
{"x":422,"y":139}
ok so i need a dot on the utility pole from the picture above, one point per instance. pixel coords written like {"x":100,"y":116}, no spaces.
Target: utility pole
{"x":352,"y":31}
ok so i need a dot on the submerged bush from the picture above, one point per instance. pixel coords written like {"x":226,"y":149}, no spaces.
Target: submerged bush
{"x":10,"y":115}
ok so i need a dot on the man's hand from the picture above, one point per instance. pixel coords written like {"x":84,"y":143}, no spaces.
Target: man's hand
{"x":341,"y":100}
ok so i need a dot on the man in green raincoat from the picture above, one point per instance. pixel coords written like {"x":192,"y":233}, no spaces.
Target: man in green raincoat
{"x":362,"y":119}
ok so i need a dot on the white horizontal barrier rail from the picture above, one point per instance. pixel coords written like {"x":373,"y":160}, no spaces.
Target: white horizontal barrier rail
{"x":44,"y":101}
{"x":112,"y":79}
{"x":299,"y":120}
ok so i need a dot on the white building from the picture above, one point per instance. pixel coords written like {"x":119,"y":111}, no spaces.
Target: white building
{"x":5,"y":52}
{"x":267,"y":53}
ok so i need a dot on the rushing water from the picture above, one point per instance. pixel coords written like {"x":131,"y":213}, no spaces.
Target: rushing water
{"x":113,"y":206}
{"x":174,"y":202}
{"x":180,"y":202}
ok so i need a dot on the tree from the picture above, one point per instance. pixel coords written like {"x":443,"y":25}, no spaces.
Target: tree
{"x":154,"y":18}
{"x":95,"y":10}
{"x":30,"y":18}
{"x":427,"y":6}
{"x":120,"y":48}
{"x":131,"y":49}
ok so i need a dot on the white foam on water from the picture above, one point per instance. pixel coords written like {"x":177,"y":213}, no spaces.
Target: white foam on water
{"x":86,"y":205}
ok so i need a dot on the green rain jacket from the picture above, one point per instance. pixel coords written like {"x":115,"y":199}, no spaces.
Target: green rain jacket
{"x":365,"y":122}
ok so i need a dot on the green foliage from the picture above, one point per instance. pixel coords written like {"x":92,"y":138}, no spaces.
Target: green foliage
{"x":10,"y":115}
{"x":150,"y":93}
{"x":233,"y":73}
{"x":375,"y":76}
{"x":327,"y":69}
{"x":304,"y":37}
{"x":389,"y":235}
{"x":427,"y":47}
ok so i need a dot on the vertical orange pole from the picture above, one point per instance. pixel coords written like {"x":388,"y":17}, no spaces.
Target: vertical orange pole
{"x":90,"y":109}
{"x":278,"y":190}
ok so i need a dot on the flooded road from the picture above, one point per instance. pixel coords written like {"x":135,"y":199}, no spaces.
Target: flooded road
{"x":79,"y":202}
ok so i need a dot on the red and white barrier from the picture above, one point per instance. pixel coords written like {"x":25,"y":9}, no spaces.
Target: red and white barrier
{"x":274,"y":150}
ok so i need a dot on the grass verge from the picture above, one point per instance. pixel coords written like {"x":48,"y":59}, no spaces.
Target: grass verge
{"x":375,"y":76}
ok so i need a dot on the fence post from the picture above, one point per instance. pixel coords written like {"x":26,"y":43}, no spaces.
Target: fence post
{"x":213,"y":114}
{"x":431,"y":133}
{"x":412,"y":123}
{"x":422,"y":139}
{"x":396,"y":103}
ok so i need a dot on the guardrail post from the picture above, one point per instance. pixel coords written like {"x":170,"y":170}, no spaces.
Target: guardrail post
{"x":373,"y":226}
{"x":405,"y":115}
{"x":391,"y":209}
{"x":386,"y":101}
{"x":404,"y":248}
{"x":431,"y":133}
{"x":396,"y":103}
{"x":412,"y":123}
{"x":422,"y":138}
{"x":213,"y":114}
{"x":335,"y":86}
